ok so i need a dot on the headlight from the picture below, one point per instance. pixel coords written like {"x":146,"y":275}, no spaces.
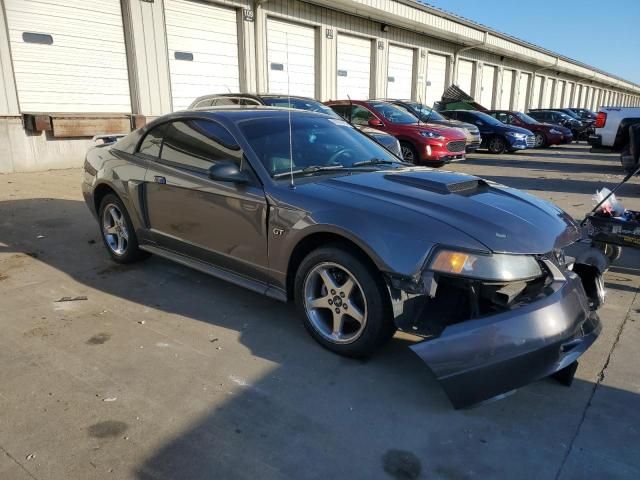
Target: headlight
{"x":497,"y":267}
{"x":555,"y":132}
{"x":517,"y":135}
{"x":434,"y":135}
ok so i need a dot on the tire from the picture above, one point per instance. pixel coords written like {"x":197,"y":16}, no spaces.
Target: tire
{"x":613,"y":252}
{"x":497,"y":145}
{"x":323,"y":279}
{"x":541,"y":141}
{"x":409,"y":153}
{"x":115,"y":224}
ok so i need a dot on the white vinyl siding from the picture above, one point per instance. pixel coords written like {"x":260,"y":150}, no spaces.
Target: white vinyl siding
{"x":202,"y":40}
{"x":354,"y":67}
{"x":400,"y":72}
{"x":568,"y":94}
{"x":488,"y":86}
{"x":436,"y":78}
{"x":559,"y":94}
{"x":523,"y":89}
{"x":507,"y":89}
{"x":465,"y":76}
{"x":84,"y":69}
{"x":297,"y":43}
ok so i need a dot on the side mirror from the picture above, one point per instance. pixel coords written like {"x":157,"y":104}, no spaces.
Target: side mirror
{"x":479,"y":123}
{"x":375,"y":122}
{"x":228,"y":172}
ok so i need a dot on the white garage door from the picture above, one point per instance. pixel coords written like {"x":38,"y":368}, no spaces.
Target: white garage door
{"x":535,"y":95}
{"x":400,"y":72}
{"x":68,"y":56}
{"x":566,"y":102}
{"x":547,"y":92}
{"x":354,"y":68}
{"x":298,"y":43}
{"x":465,"y":77}
{"x":559,"y":94}
{"x":488,"y":86}
{"x":436,"y":78}
{"x":203,"y":50}
{"x":523,"y":89}
{"x":507,"y":88}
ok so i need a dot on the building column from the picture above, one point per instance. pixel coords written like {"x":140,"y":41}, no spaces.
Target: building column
{"x":380,"y":68}
{"x":247,"y":50}
{"x":327,"y":60}
{"x":147,"y":57}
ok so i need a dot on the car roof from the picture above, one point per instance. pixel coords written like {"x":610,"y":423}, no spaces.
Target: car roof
{"x":236,"y":113}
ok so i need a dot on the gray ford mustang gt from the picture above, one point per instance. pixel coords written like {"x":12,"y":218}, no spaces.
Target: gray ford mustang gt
{"x":302,"y":207}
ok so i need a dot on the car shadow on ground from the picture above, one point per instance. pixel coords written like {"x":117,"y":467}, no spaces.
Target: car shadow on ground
{"x":314,"y":414}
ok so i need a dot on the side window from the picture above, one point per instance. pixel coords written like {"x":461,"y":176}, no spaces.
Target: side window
{"x":342,"y":110}
{"x":360,"y":115}
{"x":511,"y":119}
{"x":152,"y":142}
{"x":198,"y":144}
{"x":503,"y":117}
{"x":207,"y":102}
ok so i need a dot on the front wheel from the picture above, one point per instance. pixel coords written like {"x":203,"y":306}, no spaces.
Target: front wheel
{"x":409,"y":153}
{"x":497,"y":145}
{"x":343,"y":302}
{"x":540,"y":141}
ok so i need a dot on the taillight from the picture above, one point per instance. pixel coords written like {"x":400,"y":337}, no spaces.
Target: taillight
{"x":601,"y":120}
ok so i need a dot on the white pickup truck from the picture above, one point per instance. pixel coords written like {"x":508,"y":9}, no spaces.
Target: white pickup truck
{"x":612,"y":127}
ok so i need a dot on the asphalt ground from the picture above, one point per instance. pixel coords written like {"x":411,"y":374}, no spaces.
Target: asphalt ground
{"x":166,"y":373}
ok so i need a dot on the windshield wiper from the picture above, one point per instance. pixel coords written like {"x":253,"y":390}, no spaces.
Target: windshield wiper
{"x":310,"y":169}
{"x":375,"y":161}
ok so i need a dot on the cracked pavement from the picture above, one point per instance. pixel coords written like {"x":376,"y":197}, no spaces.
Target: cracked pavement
{"x":163,"y":372}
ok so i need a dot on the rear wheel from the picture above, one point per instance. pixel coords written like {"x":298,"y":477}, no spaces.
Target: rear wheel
{"x":343,"y":302}
{"x":409,"y":153}
{"x":497,"y":145}
{"x":118,"y":233}
{"x":540,"y":140}
{"x":613,"y":252}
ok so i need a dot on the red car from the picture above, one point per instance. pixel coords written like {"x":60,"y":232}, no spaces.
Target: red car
{"x":421,"y":144}
{"x":546,"y":134}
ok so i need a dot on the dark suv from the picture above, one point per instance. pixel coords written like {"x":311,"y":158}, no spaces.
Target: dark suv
{"x":421,"y":144}
{"x":584,"y":113}
{"x":497,"y":137}
{"x":546,"y":134}
{"x":430,"y":116}
{"x":285,"y":101}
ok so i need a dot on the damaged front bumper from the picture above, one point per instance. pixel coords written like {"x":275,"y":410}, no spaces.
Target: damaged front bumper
{"x":481,"y":358}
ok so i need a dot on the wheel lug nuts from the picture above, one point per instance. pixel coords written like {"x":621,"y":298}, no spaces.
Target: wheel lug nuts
{"x":330,"y":302}
{"x":337,"y":310}
{"x":345,"y":306}
{"x":342,"y":294}
{"x":333,"y":292}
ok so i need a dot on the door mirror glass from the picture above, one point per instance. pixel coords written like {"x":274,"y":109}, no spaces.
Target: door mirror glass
{"x":375,"y":122}
{"x":228,"y":172}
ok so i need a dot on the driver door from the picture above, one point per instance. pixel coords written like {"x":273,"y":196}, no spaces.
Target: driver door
{"x":217,"y":222}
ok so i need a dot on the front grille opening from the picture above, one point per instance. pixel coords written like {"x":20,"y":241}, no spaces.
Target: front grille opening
{"x":458,"y":300}
{"x":457,"y":146}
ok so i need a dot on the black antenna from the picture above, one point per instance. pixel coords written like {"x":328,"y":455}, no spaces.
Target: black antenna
{"x":350,"y":109}
{"x":430,"y":112}
{"x":291,"y":184}
{"x":420,"y":111}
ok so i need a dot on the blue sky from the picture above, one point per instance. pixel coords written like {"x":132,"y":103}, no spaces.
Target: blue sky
{"x":601,"y":33}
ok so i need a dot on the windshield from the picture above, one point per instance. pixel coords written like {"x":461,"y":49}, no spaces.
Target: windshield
{"x":316,"y":143}
{"x":486,"y":118}
{"x":564,"y":116}
{"x":569,"y":113}
{"x":300,"y":104}
{"x":394,"y":114}
{"x":526,"y":118}
{"x":426,"y":112}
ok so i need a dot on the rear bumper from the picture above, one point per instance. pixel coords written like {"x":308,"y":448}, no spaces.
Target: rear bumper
{"x":595,"y":140}
{"x":483,"y":358}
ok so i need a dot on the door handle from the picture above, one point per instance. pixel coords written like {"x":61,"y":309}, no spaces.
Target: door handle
{"x":159,"y":179}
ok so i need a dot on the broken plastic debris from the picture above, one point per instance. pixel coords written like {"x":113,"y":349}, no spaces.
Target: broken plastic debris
{"x":110,"y":399}
{"x":71,"y":299}
{"x":31,"y":456}
{"x":141,"y":322}
{"x":40,"y":236}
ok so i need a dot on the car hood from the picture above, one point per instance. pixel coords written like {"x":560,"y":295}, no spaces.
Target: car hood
{"x":503,"y":219}
{"x":451,"y":133}
{"x":454,"y":124}
{"x":513,"y":128}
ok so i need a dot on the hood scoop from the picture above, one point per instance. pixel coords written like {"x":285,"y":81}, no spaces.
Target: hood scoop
{"x":446,"y":185}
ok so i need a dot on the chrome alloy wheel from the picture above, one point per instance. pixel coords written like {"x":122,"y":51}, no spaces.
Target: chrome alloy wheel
{"x":114,"y":229}
{"x":539,"y":140}
{"x":335,"y":303}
